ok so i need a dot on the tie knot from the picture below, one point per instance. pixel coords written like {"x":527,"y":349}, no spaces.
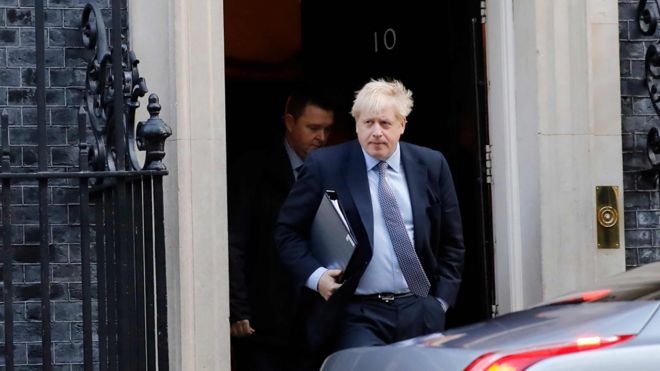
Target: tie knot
{"x":382,"y":167}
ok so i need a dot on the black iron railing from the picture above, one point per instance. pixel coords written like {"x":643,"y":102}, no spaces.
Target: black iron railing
{"x":120,"y":201}
{"x":648,"y":14}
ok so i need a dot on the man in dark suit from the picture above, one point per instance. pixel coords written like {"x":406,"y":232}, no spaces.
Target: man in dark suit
{"x":262,"y":302}
{"x":400,"y":202}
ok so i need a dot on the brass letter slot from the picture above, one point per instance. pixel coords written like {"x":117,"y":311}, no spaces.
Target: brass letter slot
{"x":607,"y":217}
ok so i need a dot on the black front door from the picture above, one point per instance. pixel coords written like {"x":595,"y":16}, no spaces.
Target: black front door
{"x":435,"y":49}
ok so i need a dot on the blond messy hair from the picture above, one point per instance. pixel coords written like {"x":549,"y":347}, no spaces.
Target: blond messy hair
{"x":378,"y":94}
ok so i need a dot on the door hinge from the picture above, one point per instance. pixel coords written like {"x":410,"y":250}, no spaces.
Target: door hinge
{"x":494,"y":310}
{"x":483,"y":12}
{"x":489,"y":163}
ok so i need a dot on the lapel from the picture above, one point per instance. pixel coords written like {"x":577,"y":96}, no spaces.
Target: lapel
{"x":416,"y":177}
{"x":358,"y":184}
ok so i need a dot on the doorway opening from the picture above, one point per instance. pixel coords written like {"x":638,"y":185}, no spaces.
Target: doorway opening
{"x":439,"y":55}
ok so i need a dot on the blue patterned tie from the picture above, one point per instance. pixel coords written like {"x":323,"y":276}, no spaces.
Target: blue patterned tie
{"x":403,"y":249}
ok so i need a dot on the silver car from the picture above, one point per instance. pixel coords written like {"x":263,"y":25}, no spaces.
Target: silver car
{"x":612,"y":326}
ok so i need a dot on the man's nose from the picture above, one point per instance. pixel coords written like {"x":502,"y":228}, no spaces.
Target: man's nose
{"x":323,"y":136}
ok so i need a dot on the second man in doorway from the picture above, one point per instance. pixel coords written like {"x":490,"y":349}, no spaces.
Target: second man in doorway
{"x":263,"y":305}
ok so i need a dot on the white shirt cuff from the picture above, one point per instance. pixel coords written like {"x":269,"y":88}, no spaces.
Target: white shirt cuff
{"x":442,"y":302}
{"x":313,"y":280}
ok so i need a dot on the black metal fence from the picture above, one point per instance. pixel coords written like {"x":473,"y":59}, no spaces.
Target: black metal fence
{"x":120,"y":213}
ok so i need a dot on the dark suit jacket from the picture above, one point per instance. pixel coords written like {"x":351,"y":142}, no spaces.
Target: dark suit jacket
{"x":436,"y":217}
{"x":260,"y":288}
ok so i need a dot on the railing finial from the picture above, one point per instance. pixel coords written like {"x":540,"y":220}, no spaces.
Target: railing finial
{"x":151,"y":136}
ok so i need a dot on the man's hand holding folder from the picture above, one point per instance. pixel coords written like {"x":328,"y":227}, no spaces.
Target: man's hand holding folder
{"x":328,"y":283}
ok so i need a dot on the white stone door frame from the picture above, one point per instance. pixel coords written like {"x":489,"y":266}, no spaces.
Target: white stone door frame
{"x":501,"y":65}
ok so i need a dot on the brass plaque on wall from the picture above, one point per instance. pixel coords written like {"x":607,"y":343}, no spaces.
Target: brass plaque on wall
{"x":607,"y":217}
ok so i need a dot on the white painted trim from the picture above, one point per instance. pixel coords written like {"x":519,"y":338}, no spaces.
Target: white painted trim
{"x":181,"y":46}
{"x":500,"y":52}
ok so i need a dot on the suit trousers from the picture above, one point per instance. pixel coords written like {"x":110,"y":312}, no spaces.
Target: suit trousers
{"x":369,"y":321}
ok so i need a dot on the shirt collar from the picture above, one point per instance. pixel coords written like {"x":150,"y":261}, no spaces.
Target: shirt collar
{"x":394,"y":161}
{"x":294,"y":159}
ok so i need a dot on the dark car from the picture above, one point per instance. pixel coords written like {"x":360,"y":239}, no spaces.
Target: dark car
{"x":614,"y":325}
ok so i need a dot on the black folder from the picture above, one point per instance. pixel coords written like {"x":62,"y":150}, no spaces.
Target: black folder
{"x":331,"y":241}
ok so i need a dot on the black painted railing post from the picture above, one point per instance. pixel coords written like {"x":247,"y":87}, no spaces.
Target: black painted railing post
{"x":84,"y":242}
{"x":102,"y":289}
{"x":7,"y":248}
{"x":40,"y":40}
{"x":161,"y":278}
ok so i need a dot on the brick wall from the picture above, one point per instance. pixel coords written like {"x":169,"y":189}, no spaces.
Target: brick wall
{"x":66,"y":60}
{"x":641,"y":195}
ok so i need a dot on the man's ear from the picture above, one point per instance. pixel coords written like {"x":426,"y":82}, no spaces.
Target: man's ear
{"x":289,"y":121}
{"x":403,"y":125}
